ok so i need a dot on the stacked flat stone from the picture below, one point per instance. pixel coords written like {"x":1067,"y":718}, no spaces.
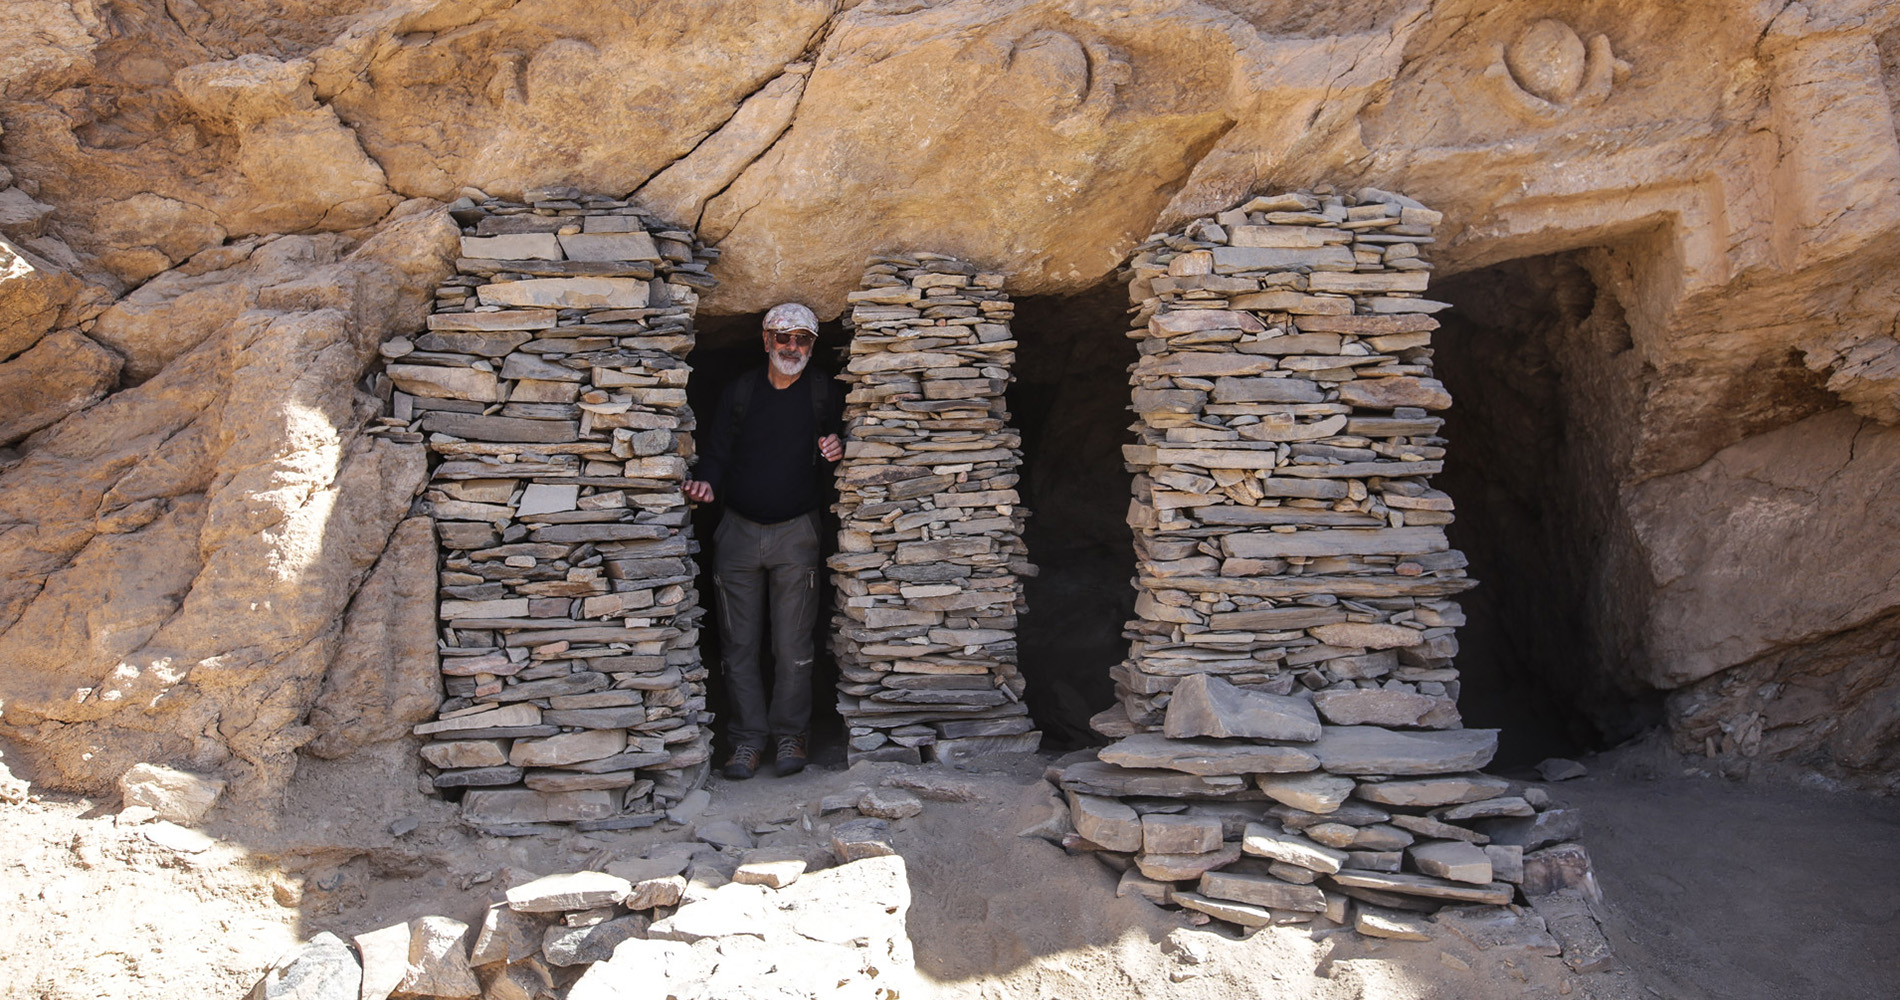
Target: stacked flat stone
{"x":551,"y":386}
{"x":1288,"y":723}
{"x":931,"y":557}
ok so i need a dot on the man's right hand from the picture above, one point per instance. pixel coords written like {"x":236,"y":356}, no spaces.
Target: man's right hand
{"x":697,"y":490}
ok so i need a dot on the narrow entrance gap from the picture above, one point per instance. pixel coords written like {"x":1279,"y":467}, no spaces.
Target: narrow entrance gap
{"x":1546,"y":386}
{"x":727,"y":347}
{"x":1070,"y":402}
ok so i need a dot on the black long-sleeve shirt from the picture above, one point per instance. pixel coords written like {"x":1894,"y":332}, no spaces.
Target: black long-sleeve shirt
{"x":767,"y":467}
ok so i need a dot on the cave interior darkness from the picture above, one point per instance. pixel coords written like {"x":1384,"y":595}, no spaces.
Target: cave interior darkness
{"x":1539,"y":362}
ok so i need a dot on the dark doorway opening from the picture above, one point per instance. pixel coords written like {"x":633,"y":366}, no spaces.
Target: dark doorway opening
{"x":727,"y":347}
{"x":1546,"y":388}
{"x":1070,"y":401}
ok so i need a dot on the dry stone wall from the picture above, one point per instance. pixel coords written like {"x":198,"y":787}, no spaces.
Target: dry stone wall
{"x":551,"y":388}
{"x":931,"y":558}
{"x":1289,"y":745}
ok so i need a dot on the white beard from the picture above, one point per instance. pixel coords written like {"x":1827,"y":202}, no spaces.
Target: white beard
{"x":789,"y":367}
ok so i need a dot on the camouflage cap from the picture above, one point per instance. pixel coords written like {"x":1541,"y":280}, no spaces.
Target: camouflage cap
{"x":790,"y":316}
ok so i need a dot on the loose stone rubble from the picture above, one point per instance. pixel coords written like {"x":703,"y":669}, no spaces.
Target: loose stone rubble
{"x":684,"y":922}
{"x":1288,"y":743}
{"x":551,"y":388}
{"x":931,"y":558}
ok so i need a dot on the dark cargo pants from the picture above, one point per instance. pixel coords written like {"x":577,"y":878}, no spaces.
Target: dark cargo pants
{"x":762,"y":569}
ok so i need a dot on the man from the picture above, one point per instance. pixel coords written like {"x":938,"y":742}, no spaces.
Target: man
{"x":766,"y":456}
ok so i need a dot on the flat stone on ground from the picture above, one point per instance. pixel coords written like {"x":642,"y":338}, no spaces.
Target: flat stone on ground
{"x":570,"y":891}
{"x":856,"y":839}
{"x":889,"y":803}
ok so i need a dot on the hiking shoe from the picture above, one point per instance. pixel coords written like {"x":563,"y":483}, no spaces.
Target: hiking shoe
{"x":743,"y":763}
{"x":791,"y":755}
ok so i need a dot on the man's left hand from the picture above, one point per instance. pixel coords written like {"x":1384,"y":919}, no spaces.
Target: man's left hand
{"x":830,"y":447}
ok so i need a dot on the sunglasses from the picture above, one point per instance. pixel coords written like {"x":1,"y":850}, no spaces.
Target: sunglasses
{"x":787,"y":337}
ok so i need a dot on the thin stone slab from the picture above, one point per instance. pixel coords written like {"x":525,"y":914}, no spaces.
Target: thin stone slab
{"x":1261,"y":890}
{"x":517,"y":806}
{"x":1314,"y":791}
{"x":1504,"y":805}
{"x":569,"y":891}
{"x":1182,"y":867}
{"x":1207,"y":757}
{"x":1106,"y":821}
{"x":505,"y":319}
{"x":1372,"y":750}
{"x":564,"y":946}
{"x":1425,"y":826}
{"x":438,"y":960}
{"x":446,"y":382}
{"x":508,"y":716}
{"x":568,"y":748}
{"x":1533,"y":832}
{"x":1102,"y":778}
{"x":1444,"y":790}
{"x":507,"y":935}
{"x":567,"y":293}
{"x":1335,"y":542}
{"x":1567,"y":914}
{"x":1393,"y":925}
{"x":1163,"y":833}
{"x":1453,"y":860}
{"x":857,"y":839}
{"x":1496,"y":893}
{"x":1232,"y":912}
{"x":1266,"y":842}
{"x":1205,"y":705}
{"x":1374,"y":706}
{"x":1489,"y":928}
{"x":512,"y":430}
{"x":611,"y":246}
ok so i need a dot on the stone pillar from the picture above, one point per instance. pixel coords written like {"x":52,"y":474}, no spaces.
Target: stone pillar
{"x":1285,"y":525}
{"x":1289,"y":681}
{"x":551,"y":387}
{"x":930,"y":553}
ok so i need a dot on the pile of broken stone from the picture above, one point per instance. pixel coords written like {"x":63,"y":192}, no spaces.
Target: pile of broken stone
{"x":550,"y":386}
{"x":1288,"y":743}
{"x":691,"y":921}
{"x":931,"y":558}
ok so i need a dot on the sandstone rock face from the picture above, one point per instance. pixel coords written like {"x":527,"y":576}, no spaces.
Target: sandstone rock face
{"x":183,"y":552}
{"x":205,"y":238}
{"x":383,"y":679}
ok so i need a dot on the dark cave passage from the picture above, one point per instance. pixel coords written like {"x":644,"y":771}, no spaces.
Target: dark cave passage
{"x":1545,"y":386}
{"x":1070,"y":401}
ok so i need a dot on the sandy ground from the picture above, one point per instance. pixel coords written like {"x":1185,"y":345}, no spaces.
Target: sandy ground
{"x":1714,"y":888}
